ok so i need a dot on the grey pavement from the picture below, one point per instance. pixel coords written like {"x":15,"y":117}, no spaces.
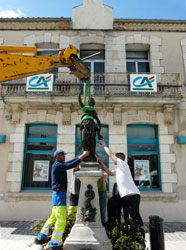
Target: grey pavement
{"x":16,"y":235}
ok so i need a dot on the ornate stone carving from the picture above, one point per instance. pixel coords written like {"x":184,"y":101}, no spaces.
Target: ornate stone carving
{"x":88,"y":212}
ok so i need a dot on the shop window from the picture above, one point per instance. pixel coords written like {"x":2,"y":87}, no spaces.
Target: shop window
{"x":143,"y":155}
{"x":99,"y":149}
{"x":40,"y":144}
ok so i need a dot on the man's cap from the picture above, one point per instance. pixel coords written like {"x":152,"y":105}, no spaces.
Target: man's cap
{"x":58,"y":152}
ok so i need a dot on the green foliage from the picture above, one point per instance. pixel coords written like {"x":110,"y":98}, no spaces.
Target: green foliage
{"x":38,"y":224}
{"x":125,"y":236}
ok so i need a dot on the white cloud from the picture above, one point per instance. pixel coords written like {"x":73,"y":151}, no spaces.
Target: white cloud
{"x":11,"y":13}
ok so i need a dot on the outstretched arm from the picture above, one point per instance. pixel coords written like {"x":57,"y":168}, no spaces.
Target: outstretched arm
{"x":85,"y":154}
{"x":104,"y":167}
{"x":108,"y":151}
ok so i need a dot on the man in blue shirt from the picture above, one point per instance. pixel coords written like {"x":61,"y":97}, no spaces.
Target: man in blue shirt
{"x":59,"y":187}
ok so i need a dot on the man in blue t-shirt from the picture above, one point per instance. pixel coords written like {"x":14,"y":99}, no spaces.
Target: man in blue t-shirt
{"x":59,"y":187}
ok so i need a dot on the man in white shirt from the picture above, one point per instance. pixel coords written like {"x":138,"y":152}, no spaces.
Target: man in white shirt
{"x":128,"y":192}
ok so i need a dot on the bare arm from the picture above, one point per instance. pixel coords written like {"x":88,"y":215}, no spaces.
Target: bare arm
{"x":85,"y":154}
{"x":104,"y":167}
{"x":109,"y":152}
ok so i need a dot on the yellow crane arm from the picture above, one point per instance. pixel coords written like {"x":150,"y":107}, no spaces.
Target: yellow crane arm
{"x":14,"y":66}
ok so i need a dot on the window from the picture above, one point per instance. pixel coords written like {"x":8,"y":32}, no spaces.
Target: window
{"x":96,"y":64}
{"x":44,"y":50}
{"x":40,"y":144}
{"x":143,"y":155}
{"x":137,"y":61}
{"x":99,"y":149}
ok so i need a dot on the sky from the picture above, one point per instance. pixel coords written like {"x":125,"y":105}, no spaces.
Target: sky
{"x":134,"y":9}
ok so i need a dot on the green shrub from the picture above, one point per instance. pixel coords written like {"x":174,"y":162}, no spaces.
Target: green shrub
{"x":125,"y":236}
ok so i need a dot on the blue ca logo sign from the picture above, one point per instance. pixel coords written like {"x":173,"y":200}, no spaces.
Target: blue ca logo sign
{"x":42,"y":82}
{"x":145,"y":83}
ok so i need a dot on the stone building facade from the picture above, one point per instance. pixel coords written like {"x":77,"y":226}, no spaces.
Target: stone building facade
{"x":133,"y":122}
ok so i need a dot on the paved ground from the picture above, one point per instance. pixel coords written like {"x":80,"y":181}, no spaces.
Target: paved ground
{"x":16,"y":235}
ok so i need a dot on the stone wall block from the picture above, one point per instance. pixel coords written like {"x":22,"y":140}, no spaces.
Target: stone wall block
{"x":68,"y":148}
{"x":50,"y":118}
{"x":55,"y":39}
{"x":15,"y":157}
{"x":164,"y":148}
{"x":16,"y":167}
{"x":23,"y":118}
{"x":168,"y":158}
{"x":166,"y":168}
{"x":39,"y":39}
{"x":1,"y":40}
{"x":68,"y":138}
{"x":160,"y":117}
{"x":129,"y":39}
{"x":159,"y":70}
{"x":28,"y":40}
{"x":155,"y":63}
{"x":156,"y":55}
{"x":32,"y":118}
{"x":20,"y":129}
{"x":120,"y":40}
{"x":64,"y":40}
{"x":13,"y":176}
{"x":47,"y":37}
{"x":17,"y":138}
{"x":41,"y":115}
{"x":117,"y":130}
{"x":183,"y":42}
{"x":58,"y":118}
{"x":117,"y":147}
{"x":69,"y":130}
{"x":137,"y":38}
{"x":145,"y":40}
{"x":155,"y":40}
{"x":163,"y":130}
{"x":18,"y":147}
{"x":167,"y":188}
{"x":169,"y":178}
{"x":117,"y":139}
{"x":166,"y":139}
{"x":15,"y":187}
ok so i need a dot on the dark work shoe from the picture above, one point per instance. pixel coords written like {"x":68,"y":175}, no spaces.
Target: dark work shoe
{"x":39,"y":241}
{"x":55,"y":248}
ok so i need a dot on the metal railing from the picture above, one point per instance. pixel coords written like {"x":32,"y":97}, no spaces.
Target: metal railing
{"x":102,"y":84}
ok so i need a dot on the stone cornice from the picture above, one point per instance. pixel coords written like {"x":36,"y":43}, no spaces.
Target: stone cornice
{"x":118,"y":24}
{"x":35,"y":24}
{"x":149,"y":25}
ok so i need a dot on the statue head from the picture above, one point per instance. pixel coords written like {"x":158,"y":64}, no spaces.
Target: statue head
{"x":91,"y":102}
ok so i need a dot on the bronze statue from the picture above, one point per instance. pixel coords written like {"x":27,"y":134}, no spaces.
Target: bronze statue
{"x":88,"y":127}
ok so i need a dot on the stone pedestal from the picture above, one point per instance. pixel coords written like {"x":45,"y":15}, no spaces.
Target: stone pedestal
{"x":90,"y":235}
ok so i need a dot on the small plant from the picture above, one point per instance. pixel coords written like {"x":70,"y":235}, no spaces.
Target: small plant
{"x":125,"y":236}
{"x":38,"y":224}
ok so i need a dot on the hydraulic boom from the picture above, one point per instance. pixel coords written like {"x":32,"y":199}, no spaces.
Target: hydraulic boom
{"x":14,"y":66}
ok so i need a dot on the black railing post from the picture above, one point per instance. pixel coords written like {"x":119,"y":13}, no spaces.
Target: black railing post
{"x":156,"y":233}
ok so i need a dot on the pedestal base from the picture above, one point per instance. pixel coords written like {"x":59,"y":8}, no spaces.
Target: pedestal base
{"x":85,"y":237}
